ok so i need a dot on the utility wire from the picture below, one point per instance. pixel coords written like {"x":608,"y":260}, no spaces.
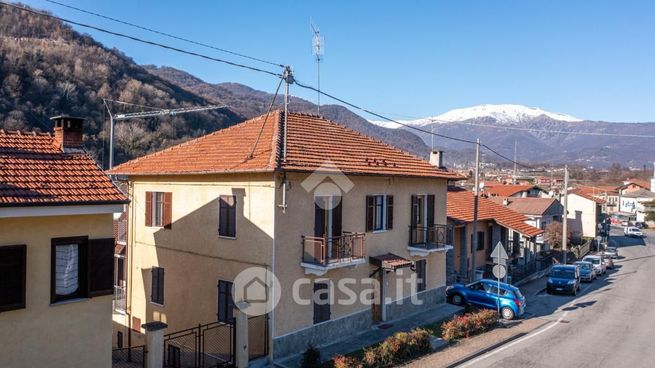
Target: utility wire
{"x":131,"y":104}
{"x":270,"y":107}
{"x":166,"y":34}
{"x":142,"y":40}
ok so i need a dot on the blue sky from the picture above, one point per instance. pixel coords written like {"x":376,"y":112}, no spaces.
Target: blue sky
{"x":590,"y":59}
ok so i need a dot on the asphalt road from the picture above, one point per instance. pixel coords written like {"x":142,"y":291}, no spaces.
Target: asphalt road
{"x":610,"y":324}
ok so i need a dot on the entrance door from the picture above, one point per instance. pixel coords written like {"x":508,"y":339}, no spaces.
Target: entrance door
{"x":327,"y":222}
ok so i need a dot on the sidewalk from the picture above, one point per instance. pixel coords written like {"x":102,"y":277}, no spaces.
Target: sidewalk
{"x":375,"y":335}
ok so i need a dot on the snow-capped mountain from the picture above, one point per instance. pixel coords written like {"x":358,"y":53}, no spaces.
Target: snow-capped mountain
{"x":503,"y":114}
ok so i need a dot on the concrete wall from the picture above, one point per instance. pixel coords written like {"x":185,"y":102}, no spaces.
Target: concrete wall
{"x":68,"y":334}
{"x":298,"y":220}
{"x":582,"y":215}
{"x":192,"y":254}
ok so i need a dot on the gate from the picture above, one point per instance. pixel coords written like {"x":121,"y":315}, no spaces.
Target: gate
{"x":205,"y":346}
{"x":133,"y":357}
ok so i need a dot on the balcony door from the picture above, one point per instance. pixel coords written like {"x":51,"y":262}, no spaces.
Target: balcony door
{"x":327,"y":221}
{"x":422,"y":217}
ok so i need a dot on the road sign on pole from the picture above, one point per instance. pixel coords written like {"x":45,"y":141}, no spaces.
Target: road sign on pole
{"x":500,"y":258}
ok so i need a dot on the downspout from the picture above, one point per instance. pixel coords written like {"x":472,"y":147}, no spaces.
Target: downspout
{"x":272,"y":319}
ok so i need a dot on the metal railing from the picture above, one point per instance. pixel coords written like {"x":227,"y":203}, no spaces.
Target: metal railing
{"x":119,"y":300}
{"x":133,"y":357}
{"x":430,"y":237}
{"x":338,"y":249}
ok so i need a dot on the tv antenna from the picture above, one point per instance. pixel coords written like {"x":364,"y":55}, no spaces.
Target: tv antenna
{"x":318,"y":49}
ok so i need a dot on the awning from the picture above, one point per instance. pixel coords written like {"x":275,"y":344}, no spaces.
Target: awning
{"x":389,"y":262}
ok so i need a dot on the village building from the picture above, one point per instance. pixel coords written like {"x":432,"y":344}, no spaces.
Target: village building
{"x":585,"y":214}
{"x":540,"y":212}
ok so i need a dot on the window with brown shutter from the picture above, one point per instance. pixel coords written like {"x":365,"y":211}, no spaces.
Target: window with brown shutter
{"x":168,"y":210}
{"x":379,"y":212}
{"x":370,"y":212}
{"x":101,"y":266}
{"x":430,"y":210}
{"x":389,"y":212}
{"x":13,"y":259}
{"x":157,"y":285}
{"x":159,"y":209}
{"x":148,"y":208}
{"x":227,"y":216}
{"x":321,"y":302}
{"x":225,"y":302}
{"x":420,"y":275}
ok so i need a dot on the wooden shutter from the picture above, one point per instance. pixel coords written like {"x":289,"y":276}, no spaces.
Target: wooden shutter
{"x":148,"y":208}
{"x":227,"y":215}
{"x":319,"y":221}
{"x":157,"y":292}
{"x":370,"y":212}
{"x":168,"y":210}
{"x":336,"y":219}
{"x":232,"y":216}
{"x":420,"y":275}
{"x":322,"y":309}
{"x":414,"y":210}
{"x":12,"y":277}
{"x":100,"y":266}
{"x":225,"y":302}
{"x":430,"y":209}
{"x":389,"y":212}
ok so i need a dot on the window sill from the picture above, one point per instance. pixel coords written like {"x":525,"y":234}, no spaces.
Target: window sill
{"x":379,"y":231}
{"x":68,"y":301}
{"x":227,"y":237}
{"x":157,"y":304}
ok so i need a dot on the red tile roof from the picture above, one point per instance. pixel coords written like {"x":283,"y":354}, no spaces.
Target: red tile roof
{"x":312,"y":142}
{"x":529,"y":205}
{"x":460,"y":208}
{"x":505,"y":190}
{"x":586,"y":195}
{"x":640,"y":182}
{"x":34,"y":171}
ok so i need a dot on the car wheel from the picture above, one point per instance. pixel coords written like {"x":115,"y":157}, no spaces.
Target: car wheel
{"x":457,"y":299}
{"x":507,"y":313}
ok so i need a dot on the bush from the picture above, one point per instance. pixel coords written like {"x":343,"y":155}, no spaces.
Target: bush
{"x":399,"y":348}
{"x":311,"y":358}
{"x":469,"y":324}
{"x":341,"y":361}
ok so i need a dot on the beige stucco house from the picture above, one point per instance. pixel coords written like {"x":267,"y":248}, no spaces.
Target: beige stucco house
{"x":307,"y":199}
{"x":56,"y":250}
{"x":585,"y":213}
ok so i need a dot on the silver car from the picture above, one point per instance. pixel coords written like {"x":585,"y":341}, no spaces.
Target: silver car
{"x":597,"y":261}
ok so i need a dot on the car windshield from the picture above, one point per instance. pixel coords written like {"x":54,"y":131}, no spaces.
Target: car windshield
{"x":593,"y":260}
{"x":584,"y":266}
{"x":562,"y":273}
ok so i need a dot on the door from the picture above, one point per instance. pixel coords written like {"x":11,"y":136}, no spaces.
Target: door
{"x":477,"y":294}
{"x":327,"y":224}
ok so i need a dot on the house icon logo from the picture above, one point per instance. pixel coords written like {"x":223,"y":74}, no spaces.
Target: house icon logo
{"x":327,"y":181}
{"x":256,"y":291}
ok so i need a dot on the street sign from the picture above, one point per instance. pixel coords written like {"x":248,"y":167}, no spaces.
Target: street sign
{"x":499,"y":253}
{"x":499,"y":271}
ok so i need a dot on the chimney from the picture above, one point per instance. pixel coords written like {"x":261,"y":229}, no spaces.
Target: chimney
{"x":68,"y":132}
{"x":436,"y":159}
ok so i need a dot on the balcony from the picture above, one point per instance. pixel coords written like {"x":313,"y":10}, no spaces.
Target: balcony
{"x":323,"y":254}
{"x":424,"y":240}
{"x":119,"y":299}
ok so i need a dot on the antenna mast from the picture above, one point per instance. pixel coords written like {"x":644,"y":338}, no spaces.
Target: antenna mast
{"x":318,"y":49}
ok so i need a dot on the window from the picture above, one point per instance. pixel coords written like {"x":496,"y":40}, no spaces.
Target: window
{"x":321,"y":302}
{"x":422,"y":210}
{"x":157,"y":286}
{"x":420,"y":275}
{"x":81,"y":268}
{"x":481,"y":240}
{"x":225,"y":302}
{"x":379,"y":212}
{"x":119,"y":339}
{"x":12,"y":277}
{"x":227,"y":216}
{"x":159,"y":209}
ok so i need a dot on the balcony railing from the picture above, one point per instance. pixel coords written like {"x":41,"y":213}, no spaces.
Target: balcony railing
{"x":430,"y":237}
{"x":342,"y":249}
{"x":119,"y":299}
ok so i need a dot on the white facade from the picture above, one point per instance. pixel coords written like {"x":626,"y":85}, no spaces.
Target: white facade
{"x":583,"y":214}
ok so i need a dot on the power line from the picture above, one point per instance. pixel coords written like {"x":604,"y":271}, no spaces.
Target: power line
{"x":142,"y":40}
{"x":270,"y":107}
{"x":166,"y":34}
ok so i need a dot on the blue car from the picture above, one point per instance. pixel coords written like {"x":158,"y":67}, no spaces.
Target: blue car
{"x":485,"y":294}
{"x":564,"y":279}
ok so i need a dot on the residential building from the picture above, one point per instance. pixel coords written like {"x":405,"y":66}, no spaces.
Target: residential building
{"x":609,"y":194}
{"x":518,"y":190}
{"x":300,"y":196}
{"x":496,"y":223}
{"x":631,"y":185}
{"x":540,"y":212}
{"x":637,"y":202}
{"x":585,"y":213}
{"x":56,"y":250}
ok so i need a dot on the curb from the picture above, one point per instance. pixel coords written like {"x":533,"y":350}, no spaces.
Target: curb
{"x":485,"y":350}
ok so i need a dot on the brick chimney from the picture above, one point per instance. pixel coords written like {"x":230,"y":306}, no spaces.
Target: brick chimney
{"x":436,"y":159}
{"x":68,"y":132}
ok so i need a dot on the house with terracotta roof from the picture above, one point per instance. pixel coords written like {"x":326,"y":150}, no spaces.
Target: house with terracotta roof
{"x":309,"y":200}
{"x":585,"y":213}
{"x":56,"y":250}
{"x":496,"y":223}
{"x":513,"y":190}
{"x":608,"y":193}
{"x":540,"y":212}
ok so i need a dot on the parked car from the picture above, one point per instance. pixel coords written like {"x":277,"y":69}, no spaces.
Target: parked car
{"x":563,"y":279}
{"x":587,"y":272}
{"x":599,"y":265}
{"x":486,"y":294}
{"x":607,"y":260}
{"x":612,"y":252}
{"x":641,"y":225}
{"x":633,"y":232}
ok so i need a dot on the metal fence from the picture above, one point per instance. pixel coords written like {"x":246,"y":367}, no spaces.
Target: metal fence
{"x":209,"y":345}
{"x":134,"y":357}
{"x":258,"y":337}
